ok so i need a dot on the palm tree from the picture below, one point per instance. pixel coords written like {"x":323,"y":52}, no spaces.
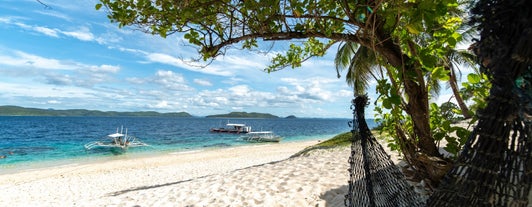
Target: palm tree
{"x":360,"y":63}
{"x":454,"y":59}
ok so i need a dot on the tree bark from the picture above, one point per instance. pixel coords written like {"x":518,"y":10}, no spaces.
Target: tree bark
{"x":454,"y":86}
{"x":418,"y":102}
{"x":418,"y":109}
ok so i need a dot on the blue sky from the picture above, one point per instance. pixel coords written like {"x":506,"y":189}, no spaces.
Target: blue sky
{"x":70,"y":56}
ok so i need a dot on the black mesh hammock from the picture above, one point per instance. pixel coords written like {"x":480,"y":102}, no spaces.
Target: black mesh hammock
{"x":374,"y":179}
{"x":495,"y":166}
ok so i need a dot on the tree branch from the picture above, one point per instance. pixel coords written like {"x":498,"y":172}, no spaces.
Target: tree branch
{"x":45,"y":5}
{"x":273,"y":36}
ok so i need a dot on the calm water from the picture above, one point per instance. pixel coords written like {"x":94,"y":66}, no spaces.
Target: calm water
{"x":31,"y":142}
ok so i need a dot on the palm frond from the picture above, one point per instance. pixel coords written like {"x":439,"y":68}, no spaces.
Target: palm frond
{"x":362,"y":64}
{"x":345,"y":52}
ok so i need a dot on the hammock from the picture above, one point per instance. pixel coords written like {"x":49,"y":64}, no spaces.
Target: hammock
{"x":495,"y":166}
{"x":374,"y":179}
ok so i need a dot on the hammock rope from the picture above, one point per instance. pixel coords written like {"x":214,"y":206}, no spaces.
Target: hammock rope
{"x":374,"y":180}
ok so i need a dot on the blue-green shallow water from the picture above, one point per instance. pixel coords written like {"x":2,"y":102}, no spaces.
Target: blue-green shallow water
{"x":34,"y":142}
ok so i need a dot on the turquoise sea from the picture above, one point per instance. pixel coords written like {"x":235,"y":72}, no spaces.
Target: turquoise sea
{"x":29,"y":142}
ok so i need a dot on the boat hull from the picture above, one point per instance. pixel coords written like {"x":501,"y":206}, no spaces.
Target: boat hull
{"x":116,"y":141}
{"x":258,"y":139}
{"x":223,"y":130}
{"x":262,"y":136}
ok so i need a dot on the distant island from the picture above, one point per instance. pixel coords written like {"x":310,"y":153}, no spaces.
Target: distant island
{"x":243,"y":115}
{"x":21,"y":111}
{"x":291,"y":117}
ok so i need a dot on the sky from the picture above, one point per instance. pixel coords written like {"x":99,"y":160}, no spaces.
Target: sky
{"x":70,"y":56}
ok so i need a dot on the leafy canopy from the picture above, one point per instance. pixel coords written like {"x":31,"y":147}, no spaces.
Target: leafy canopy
{"x":212,"y":25}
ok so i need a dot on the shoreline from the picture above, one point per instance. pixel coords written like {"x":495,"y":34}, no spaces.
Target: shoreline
{"x":161,"y":158}
{"x":194,"y":177}
{"x":13,"y":168}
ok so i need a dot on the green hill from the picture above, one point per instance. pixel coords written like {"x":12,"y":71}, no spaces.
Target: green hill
{"x":243,"y":115}
{"x":21,"y":111}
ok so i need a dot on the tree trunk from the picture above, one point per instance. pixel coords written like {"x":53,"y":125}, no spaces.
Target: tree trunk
{"x":417,"y":108}
{"x":418,"y":102}
{"x":428,"y":161}
{"x":454,"y":86}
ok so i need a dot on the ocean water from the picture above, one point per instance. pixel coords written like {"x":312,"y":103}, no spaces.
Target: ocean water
{"x":35,"y":142}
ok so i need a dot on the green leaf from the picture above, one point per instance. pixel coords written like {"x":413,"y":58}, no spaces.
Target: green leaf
{"x":462,"y":134}
{"x":473,"y":78}
{"x":395,"y":99}
{"x":457,"y":36}
{"x":428,"y":60}
{"x":452,"y":41}
{"x":98,"y":6}
{"x":386,"y":103}
{"x":413,"y":29}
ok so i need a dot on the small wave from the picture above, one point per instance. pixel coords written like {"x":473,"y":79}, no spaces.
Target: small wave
{"x":217,"y":145}
{"x":185,"y":152}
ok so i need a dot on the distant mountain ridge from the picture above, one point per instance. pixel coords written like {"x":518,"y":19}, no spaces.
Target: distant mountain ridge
{"x":22,"y":111}
{"x":243,"y":115}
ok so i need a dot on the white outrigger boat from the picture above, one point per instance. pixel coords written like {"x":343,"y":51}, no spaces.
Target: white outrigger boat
{"x":233,"y":128}
{"x":262,"y":136}
{"x":116,"y":140}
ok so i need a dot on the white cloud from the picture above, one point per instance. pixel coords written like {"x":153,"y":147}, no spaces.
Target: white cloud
{"x":136,"y":80}
{"x":283,"y":90}
{"x":123,"y":49}
{"x":104,"y":68}
{"x":42,"y":90}
{"x":234,"y":108}
{"x":240,"y":90}
{"x":54,"y":71}
{"x":107,"y":38}
{"x":53,"y":102}
{"x":202,"y":82}
{"x":59,"y":79}
{"x":40,"y":29}
{"x":82,"y":33}
{"x":164,"y":58}
{"x":345,"y":93}
{"x":5,"y":20}
{"x":46,"y":31}
{"x":158,"y":94}
{"x":315,"y":89}
{"x":160,"y":105}
{"x":22,"y":59}
{"x":171,"y":80}
{"x":232,"y":80}
{"x":248,"y":61}
{"x":54,"y":13}
{"x":25,"y":60}
{"x":170,"y":60}
{"x":245,"y":97}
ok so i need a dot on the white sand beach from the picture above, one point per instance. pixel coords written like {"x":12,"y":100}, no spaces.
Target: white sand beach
{"x":255,"y":175}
